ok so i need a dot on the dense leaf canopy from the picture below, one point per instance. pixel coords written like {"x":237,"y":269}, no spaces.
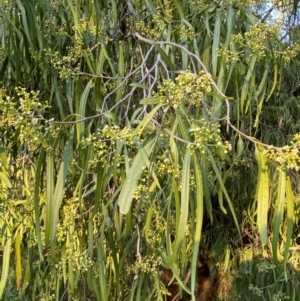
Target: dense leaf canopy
{"x":141,"y":139}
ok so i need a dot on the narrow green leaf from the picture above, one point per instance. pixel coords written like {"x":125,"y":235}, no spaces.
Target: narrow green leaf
{"x":262,"y":195}
{"x":148,"y":223}
{"x":173,"y":146}
{"x":18,"y":258}
{"x":4,"y":180}
{"x":49,"y":194}
{"x":165,"y":57}
{"x":111,"y":116}
{"x":199,"y":220}
{"x":217,"y":95}
{"x":261,"y":93}
{"x":147,"y":162}
{"x":5,"y":263}
{"x":3,"y":158}
{"x":182,"y":126}
{"x":216,"y":43}
{"x":64,"y":261}
{"x":179,"y":8}
{"x":278,"y":215}
{"x":24,"y":21}
{"x":217,"y":172}
{"x":69,"y":244}
{"x":176,"y":275}
{"x":240,"y":147}
{"x":101,"y":266}
{"x":53,"y":216}
{"x":132,"y":177}
{"x":206,"y":187}
{"x":290,"y":199}
{"x":275,"y":82}
{"x":83,"y":104}
{"x":151,"y":6}
{"x":36,"y":199}
{"x":184,"y":207}
{"x":93,"y":286}
{"x":230,"y":25}
{"x":206,"y":50}
{"x":146,"y":120}
{"x":245,"y":89}
{"x":121,"y":60}
{"x":138,"y":85}
{"x":151,"y":100}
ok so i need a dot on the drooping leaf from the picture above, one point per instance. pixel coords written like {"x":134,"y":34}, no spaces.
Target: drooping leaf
{"x":199,"y":221}
{"x":5,"y":263}
{"x":278,"y":214}
{"x":219,"y":177}
{"x":132,"y":177}
{"x":55,"y":195}
{"x":138,"y":85}
{"x":262,"y":195}
{"x":290,"y":199}
{"x":185,"y":190}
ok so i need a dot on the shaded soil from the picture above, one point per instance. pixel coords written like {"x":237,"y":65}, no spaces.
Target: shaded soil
{"x":208,"y":287}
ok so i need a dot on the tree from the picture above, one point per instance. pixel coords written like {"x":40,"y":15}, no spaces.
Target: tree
{"x":146,"y":127}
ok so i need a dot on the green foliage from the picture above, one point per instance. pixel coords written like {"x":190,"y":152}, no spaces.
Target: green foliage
{"x":134,"y":132}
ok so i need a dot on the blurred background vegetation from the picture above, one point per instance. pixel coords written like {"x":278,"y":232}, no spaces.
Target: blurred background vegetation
{"x":145,"y":143}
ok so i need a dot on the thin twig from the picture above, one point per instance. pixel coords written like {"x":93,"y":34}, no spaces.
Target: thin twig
{"x":121,"y":84}
{"x":146,"y":75}
{"x":229,"y":124}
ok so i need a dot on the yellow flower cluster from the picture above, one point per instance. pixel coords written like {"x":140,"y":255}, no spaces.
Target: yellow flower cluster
{"x":188,"y":88}
{"x":103,"y":143}
{"x":288,"y":157}
{"x":24,"y":112}
{"x":208,"y":134}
